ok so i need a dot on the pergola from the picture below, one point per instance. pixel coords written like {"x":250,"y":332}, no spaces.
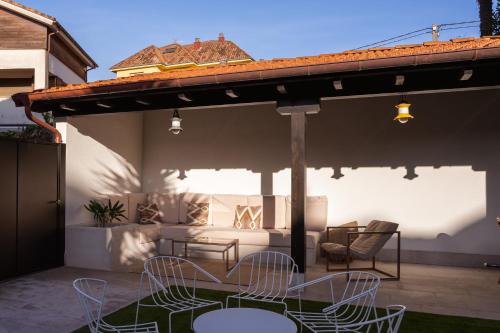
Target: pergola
{"x":297,"y":86}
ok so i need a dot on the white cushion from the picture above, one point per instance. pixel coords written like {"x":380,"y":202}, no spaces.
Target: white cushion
{"x":168,"y":204}
{"x":316,"y":213}
{"x":263,"y":237}
{"x":224,"y":207}
{"x":189,"y":197}
{"x":133,"y":200}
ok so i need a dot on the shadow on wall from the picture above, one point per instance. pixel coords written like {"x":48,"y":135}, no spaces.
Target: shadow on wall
{"x":437,"y":175}
{"x":103,"y":156}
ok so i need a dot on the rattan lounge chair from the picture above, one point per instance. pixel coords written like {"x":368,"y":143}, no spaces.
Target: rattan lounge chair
{"x":364,"y":245}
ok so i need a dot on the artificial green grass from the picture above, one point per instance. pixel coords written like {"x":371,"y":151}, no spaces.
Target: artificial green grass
{"x":413,"y":322}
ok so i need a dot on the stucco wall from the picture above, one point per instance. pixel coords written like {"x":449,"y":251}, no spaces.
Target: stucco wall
{"x":438,"y":176}
{"x":103,"y":156}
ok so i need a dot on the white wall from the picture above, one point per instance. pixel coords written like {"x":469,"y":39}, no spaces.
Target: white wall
{"x":447,"y":202}
{"x":57,"y":68}
{"x":42,"y":64}
{"x":24,"y":59}
{"x":103,"y":156}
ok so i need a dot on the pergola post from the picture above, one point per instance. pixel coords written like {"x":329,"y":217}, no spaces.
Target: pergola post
{"x":299,"y":188}
{"x":298,"y":111}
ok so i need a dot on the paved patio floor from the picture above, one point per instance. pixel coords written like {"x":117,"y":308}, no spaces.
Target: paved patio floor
{"x":46,"y":302}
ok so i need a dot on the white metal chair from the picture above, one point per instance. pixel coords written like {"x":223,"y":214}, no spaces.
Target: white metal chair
{"x":353,"y":302}
{"x":91,"y":296}
{"x":167,"y":285}
{"x":389,"y":323}
{"x":269,"y":280}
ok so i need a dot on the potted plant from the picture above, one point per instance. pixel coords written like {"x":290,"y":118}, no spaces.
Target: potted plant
{"x":105,"y":214}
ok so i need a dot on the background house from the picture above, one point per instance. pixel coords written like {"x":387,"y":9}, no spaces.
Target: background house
{"x":36,"y":52}
{"x":154,"y":59}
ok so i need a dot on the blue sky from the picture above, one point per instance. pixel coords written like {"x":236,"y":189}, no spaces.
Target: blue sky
{"x":111,"y":30}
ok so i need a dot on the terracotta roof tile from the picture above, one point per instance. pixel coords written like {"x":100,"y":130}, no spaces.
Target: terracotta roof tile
{"x":397,"y":51}
{"x":17,"y":4}
{"x":210,"y":51}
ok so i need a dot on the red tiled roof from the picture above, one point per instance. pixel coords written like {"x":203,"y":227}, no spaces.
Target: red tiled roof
{"x":429,"y":48}
{"x":210,"y":51}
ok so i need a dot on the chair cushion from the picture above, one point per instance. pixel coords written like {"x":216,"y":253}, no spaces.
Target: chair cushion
{"x":263,"y":237}
{"x":168,"y":204}
{"x":334,"y":248}
{"x":367,"y":245}
{"x":339,"y":236}
{"x":248,"y":217}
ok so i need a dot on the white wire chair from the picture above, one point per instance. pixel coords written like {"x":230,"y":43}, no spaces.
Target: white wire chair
{"x":91,"y":296}
{"x":353,"y":302}
{"x":269,"y":280}
{"x":167,"y":285}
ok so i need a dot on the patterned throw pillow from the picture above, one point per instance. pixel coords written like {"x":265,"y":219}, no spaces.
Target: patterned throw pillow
{"x":148,"y":213}
{"x":197,"y":213}
{"x":248,"y":217}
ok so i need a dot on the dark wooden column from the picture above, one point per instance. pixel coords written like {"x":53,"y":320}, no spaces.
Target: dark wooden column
{"x":299,"y":186}
{"x":298,"y":111}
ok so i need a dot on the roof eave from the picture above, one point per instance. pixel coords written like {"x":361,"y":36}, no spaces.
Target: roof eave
{"x":273,"y":73}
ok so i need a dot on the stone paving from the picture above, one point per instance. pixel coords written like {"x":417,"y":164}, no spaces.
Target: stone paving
{"x":45,"y":302}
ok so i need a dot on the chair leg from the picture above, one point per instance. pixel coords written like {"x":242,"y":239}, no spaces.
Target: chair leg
{"x":139,"y":297}
{"x":192,"y":317}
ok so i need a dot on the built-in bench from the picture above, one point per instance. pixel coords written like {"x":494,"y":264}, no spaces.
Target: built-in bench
{"x":124,"y":247}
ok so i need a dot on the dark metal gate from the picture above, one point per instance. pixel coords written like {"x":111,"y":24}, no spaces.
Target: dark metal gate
{"x":31,"y":207}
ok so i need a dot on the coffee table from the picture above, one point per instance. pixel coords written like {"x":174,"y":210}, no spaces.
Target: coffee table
{"x":243,"y":320}
{"x":218,"y":245}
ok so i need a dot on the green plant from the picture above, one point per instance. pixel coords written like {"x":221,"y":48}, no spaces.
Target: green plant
{"x":104,"y":213}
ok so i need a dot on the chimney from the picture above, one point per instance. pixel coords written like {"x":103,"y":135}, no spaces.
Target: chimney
{"x":197,"y":43}
{"x":221,"y":37}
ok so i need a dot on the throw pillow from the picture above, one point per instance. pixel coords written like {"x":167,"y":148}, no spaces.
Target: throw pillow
{"x":148,"y":213}
{"x":248,"y":217}
{"x":197,"y":213}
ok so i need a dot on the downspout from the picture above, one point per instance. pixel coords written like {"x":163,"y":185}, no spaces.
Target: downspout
{"x":27,"y":107}
{"x":53,"y":130}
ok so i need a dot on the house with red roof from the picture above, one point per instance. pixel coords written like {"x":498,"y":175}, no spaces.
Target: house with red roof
{"x":154,"y":59}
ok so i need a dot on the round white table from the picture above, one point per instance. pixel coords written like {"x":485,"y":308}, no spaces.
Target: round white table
{"x":243,"y":320}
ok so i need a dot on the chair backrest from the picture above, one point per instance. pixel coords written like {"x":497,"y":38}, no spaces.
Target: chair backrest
{"x":167,"y":279}
{"x":370,"y":244}
{"x":353,"y":296}
{"x":90,"y":293}
{"x":269,"y":274}
{"x":389,"y":323}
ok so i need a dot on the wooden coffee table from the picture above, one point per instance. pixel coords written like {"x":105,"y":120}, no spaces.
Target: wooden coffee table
{"x":209,"y":244}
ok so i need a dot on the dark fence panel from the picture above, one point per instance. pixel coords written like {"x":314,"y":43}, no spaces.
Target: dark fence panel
{"x":36,"y":198}
{"x":8,"y":209}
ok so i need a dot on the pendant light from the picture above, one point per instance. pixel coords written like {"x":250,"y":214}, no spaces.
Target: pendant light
{"x":176,"y":123}
{"x":403,"y":112}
